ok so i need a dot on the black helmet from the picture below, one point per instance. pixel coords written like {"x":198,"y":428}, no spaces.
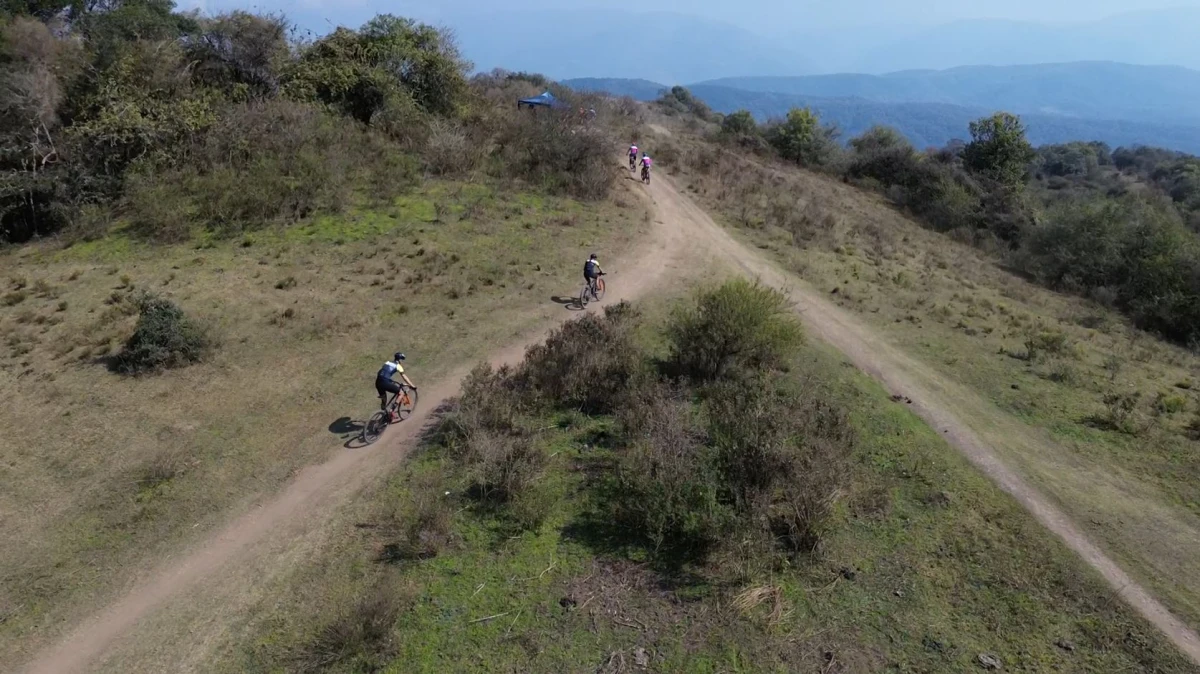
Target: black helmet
{"x":593,"y":256}
{"x":398,"y":356}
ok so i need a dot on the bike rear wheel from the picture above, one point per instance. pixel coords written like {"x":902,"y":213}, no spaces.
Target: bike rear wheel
{"x":585,"y":295}
{"x":406,"y":403}
{"x":374,"y":427}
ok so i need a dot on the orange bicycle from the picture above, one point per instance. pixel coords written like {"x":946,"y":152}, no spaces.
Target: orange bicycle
{"x":402,"y":405}
{"x":594,"y":288}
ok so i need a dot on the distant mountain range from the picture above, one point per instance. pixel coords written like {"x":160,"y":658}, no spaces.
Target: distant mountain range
{"x":1150,"y":37}
{"x":1116,"y":103}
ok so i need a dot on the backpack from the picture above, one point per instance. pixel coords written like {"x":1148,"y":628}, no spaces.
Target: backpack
{"x":589,"y":268}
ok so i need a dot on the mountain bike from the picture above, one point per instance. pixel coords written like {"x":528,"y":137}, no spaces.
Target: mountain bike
{"x":593,"y":288}
{"x":646,"y":174}
{"x":402,"y":404}
{"x":632,"y":162}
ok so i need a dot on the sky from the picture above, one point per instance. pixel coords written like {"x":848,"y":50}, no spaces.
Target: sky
{"x":759,"y":15}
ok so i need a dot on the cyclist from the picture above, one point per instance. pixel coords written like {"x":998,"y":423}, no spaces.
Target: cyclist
{"x":646,"y":162}
{"x":592,"y":271}
{"x":384,"y":384}
{"x":633,"y":153}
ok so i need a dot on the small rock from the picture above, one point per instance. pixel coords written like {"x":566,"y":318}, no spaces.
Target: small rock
{"x":834,"y":291}
{"x":1065,"y":645}
{"x":567,"y":602}
{"x":848,"y":573}
{"x":899,"y":593}
{"x":1016,"y":388}
{"x":989,"y":661}
{"x":897,"y":398}
{"x":932,"y":644}
{"x":641,"y":658}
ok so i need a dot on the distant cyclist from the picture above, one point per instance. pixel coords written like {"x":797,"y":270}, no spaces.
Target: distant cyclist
{"x":592,"y":271}
{"x":384,"y":384}
{"x":646,"y":163}
{"x":633,"y":154}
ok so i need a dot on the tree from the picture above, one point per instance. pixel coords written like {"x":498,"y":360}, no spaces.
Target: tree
{"x":740,"y":123}
{"x":801,"y":138}
{"x":240,"y":53}
{"x":999,"y":150}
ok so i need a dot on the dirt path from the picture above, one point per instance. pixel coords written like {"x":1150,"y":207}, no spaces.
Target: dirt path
{"x":941,"y":403}
{"x":683,"y":234}
{"x":325,"y":485}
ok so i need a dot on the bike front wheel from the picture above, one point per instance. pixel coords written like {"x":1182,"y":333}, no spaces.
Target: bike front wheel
{"x":599,"y":289}
{"x":374,"y":427}
{"x":406,"y":403}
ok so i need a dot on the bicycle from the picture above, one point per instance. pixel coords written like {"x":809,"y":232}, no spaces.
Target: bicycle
{"x":646,"y":174}
{"x":402,"y":403}
{"x":595,"y":288}
{"x":632,"y":162}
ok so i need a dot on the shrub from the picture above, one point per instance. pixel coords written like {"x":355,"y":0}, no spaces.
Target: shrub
{"x":548,"y":149}
{"x":740,"y":325}
{"x":666,"y":489}
{"x":1121,"y":412}
{"x":1167,"y":403}
{"x":586,"y":363}
{"x":422,"y":528}
{"x":449,"y":150}
{"x":1041,"y":341}
{"x":164,"y":338}
{"x":360,"y":636}
{"x":783,"y":455}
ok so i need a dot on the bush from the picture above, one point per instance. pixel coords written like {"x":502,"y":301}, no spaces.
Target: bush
{"x":586,"y":364}
{"x":422,"y":528}
{"x":449,"y":149}
{"x":739,"y":326}
{"x":666,"y":489}
{"x":359,"y":637}
{"x":164,"y":338}
{"x":546,"y":147}
{"x":783,"y":455}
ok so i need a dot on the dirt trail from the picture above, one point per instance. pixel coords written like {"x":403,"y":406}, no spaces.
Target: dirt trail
{"x":335,"y":481}
{"x":934,"y":399}
{"x":683,"y":234}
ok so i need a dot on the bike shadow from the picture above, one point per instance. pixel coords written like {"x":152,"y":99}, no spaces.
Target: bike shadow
{"x":569,"y":303}
{"x":349,"y":430}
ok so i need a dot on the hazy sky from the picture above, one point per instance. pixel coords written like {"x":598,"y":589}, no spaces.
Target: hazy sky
{"x":765,"y":15}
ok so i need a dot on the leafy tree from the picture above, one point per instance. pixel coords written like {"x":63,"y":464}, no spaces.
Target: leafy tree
{"x":740,"y":123}
{"x":801,"y":138}
{"x":999,"y":150}
{"x":240,"y":53}
{"x":681,"y":101}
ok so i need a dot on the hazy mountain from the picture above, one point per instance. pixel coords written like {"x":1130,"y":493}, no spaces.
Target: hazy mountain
{"x":1096,"y":90}
{"x":642,"y":90}
{"x":583,"y":43}
{"x":925,"y":124}
{"x":1152,"y":37}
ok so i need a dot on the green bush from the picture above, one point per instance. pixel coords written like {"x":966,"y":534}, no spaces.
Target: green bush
{"x":739,"y":326}
{"x":783,"y":456}
{"x":164,"y":338}
{"x":586,"y":364}
{"x":666,"y":489}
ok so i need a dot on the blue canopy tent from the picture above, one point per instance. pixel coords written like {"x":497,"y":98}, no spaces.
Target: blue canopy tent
{"x":546,"y":100}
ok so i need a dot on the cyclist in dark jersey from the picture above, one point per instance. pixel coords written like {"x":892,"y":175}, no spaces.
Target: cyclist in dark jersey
{"x":384,"y":384}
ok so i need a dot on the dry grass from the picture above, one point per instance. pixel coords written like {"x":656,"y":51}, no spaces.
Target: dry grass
{"x":291,"y":362}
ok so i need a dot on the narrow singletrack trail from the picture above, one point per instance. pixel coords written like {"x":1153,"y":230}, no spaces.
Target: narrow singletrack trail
{"x":683,"y":235}
{"x":943,"y":404}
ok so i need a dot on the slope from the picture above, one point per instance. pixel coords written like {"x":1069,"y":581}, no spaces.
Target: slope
{"x":248,"y":550}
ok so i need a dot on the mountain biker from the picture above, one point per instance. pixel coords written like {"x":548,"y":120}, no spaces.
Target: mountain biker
{"x":633,"y":153}
{"x":646,"y":162}
{"x":592,"y":271}
{"x":384,"y":384}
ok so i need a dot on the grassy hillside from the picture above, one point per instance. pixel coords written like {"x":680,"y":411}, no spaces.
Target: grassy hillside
{"x":122,"y":470}
{"x":1097,"y":413}
{"x":922,"y":563}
